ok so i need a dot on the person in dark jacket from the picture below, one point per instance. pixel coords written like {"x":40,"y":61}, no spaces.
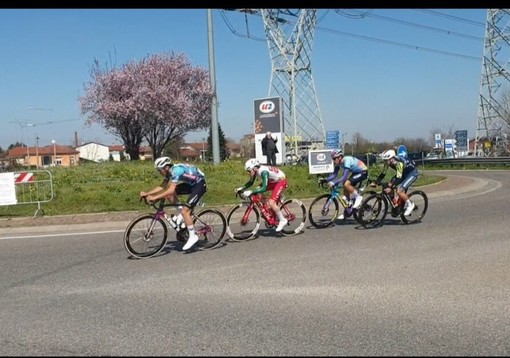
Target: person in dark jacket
{"x":269,"y":148}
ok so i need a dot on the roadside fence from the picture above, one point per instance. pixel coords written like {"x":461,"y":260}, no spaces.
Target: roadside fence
{"x":27,"y":187}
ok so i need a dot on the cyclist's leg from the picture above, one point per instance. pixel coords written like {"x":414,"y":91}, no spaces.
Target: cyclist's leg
{"x":354,"y":180}
{"x":196,"y":192}
{"x":277,"y":190}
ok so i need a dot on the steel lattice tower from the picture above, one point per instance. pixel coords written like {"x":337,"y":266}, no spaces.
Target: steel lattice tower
{"x":290,"y":37}
{"x":492,"y":116}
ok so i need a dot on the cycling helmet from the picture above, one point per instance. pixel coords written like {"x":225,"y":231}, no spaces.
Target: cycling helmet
{"x":251,"y":163}
{"x":335,"y":153}
{"x":162,"y":162}
{"x":388,"y":154}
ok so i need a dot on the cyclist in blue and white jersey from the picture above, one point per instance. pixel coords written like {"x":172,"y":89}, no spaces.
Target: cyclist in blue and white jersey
{"x":406,"y":174}
{"x":354,"y":172}
{"x":179,"y":179}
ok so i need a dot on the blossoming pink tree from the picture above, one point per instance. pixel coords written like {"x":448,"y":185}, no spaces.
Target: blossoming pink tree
{"x":159,"y":98}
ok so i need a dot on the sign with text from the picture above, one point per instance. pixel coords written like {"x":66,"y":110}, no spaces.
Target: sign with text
{"x":320,"y":162}
{"x":332,"y":139}
{"x":269,"y":118}
{"x":7,"y":189}
{"x":462,"y":139}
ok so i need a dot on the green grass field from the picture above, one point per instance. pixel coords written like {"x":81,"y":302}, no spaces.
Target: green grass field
{"x":115,"y":186}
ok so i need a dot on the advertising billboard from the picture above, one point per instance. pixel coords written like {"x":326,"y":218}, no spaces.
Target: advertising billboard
{"x":269,"y":118}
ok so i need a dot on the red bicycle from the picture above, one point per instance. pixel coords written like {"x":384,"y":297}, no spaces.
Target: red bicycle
{"x":243,"y":220}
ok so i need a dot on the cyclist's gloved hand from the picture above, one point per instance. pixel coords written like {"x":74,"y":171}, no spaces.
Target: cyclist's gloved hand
{"x":237,"y":190}
{"x":331,"y":184}
{"x":246,"y":193}
{"x":374,"y":184}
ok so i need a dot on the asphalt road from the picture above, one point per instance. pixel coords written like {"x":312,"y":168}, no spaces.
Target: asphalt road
{"x":440,"y":287}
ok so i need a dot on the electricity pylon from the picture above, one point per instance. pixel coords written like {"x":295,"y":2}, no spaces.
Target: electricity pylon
{"x":493,"y":117}
{"x":290,"y":37}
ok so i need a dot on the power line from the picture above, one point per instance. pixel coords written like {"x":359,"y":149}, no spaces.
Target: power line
{"x":399,"y":44}
{"x":451,"y":17}
{"x":413,"y":24}
{"x":378,"y":40}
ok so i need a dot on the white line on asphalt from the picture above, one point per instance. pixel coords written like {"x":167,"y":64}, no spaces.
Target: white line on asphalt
{"x":55,"y":235}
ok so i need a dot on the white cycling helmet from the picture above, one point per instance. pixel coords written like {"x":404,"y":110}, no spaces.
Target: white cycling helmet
{"x":388,"y":154}
{"x":251,"y":163}
{"x":162,"y":162}
{"x":335,"y":153}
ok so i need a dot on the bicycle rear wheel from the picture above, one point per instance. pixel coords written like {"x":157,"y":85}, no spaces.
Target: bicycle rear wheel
{"x":145,"y":236}
{"x":243,"y":222}
{"x":320,"y":213}
{"x":421,"y":203}
{"x":372,"y":211}
{"x":295,"y":212}
{"x":210,"y":226}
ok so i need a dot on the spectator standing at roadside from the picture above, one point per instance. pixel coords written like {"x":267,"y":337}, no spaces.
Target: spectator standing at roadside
{"x":269,"y":149}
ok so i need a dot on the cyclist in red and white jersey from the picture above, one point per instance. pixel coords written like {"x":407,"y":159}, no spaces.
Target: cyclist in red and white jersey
{"x":273,"y":179}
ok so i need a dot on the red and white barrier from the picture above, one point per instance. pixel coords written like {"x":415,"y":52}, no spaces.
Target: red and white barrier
{"x":24,"y":177}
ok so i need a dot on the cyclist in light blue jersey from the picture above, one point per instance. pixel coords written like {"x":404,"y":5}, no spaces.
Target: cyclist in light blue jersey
{"x":354,"y":172}
{"x":179,"y":179}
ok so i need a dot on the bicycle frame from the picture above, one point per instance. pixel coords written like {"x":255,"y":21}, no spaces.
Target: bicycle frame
{"x":181,"y":234}
{"x":267,"y":212}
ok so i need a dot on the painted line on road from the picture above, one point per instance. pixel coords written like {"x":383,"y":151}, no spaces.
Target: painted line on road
{"x":64,"y":234}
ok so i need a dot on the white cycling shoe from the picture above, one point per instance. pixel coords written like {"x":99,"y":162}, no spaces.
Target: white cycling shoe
{"x":281,"y":225}
{"x":409,"y":209}
{"x":193,"y":239}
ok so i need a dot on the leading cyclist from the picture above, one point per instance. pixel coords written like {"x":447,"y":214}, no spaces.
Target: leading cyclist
{"x":179,"y":178}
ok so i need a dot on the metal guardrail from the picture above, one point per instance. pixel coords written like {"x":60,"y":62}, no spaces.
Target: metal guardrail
{"x":476,"y":161}
{"x":34,"y":187}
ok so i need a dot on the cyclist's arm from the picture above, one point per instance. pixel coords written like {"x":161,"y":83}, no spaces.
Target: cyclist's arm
{"x":263,"y":187}
{"x":381,"y":176}
{"x":157,"y":189}
{"x":344,"y":176}
{"x":249,"y":182}
{"x":334,"y":174}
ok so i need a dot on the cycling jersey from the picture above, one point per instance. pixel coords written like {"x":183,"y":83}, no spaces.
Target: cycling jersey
{"x":403,"y":167}
{"x":271,"y":177}
{"x":185,"y":173}
{"x":350,"y":165}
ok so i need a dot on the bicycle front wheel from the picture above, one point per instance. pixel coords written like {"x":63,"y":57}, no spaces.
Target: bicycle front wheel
{"x":372,"y":211}
{"x":145,"y":236}
{"x":421,"y":203}
{"x":210,"y":226}
{"x":243,"y":222}
{"x":323,"y":212}
{"x":295,"y":212}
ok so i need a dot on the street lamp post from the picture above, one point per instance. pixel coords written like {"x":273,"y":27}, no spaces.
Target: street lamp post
{"x":54,"y":152}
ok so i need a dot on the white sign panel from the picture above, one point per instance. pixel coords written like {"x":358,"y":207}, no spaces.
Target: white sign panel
{"x":320,"y":162}
{"x":7,"y":189}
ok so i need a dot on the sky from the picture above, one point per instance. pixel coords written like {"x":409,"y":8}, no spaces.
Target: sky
{"x":384,"y":73}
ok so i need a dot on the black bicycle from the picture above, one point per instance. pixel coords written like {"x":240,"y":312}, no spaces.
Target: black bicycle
{"x":374,"y":208}
{"x":147,"y":234}
{"x":325,"y":208}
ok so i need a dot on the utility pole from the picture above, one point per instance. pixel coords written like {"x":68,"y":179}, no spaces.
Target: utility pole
{"x":212,"y":75}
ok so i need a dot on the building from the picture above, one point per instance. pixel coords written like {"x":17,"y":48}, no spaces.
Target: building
{"x":50,"y":155}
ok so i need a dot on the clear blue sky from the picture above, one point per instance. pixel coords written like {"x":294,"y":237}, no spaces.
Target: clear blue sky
{"x":388,"y":74}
